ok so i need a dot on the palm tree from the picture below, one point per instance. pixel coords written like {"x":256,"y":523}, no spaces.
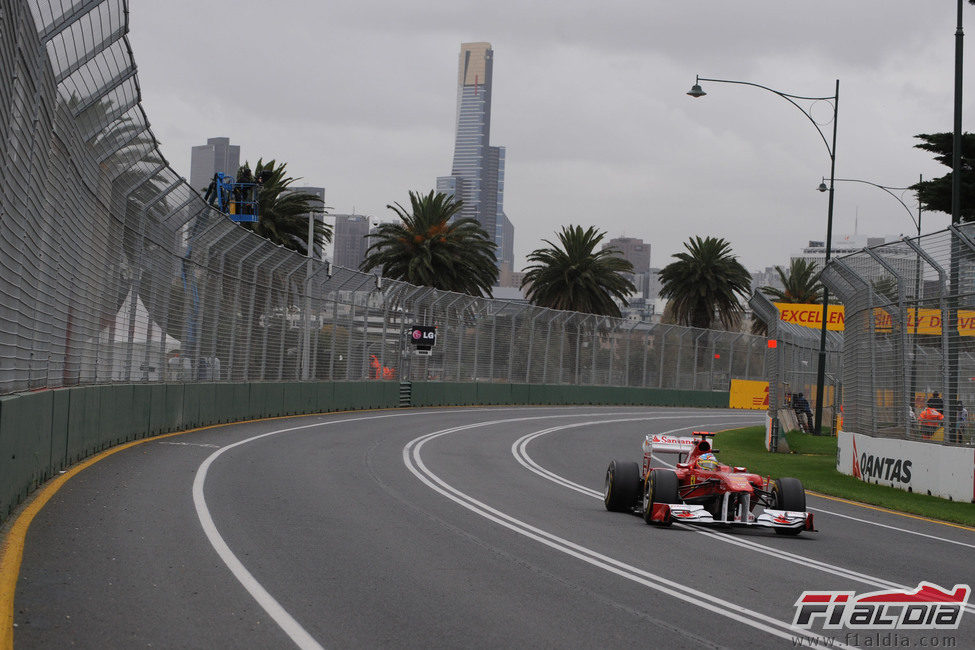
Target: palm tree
{"x":283,"y":214}
{"x":574,"y":276}
{"x":431,"y":247}
{"x":800,"y":285}
{"x":704,"y":284}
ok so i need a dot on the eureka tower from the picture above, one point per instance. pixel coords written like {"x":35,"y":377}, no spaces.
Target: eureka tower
{"x":477,"y":175}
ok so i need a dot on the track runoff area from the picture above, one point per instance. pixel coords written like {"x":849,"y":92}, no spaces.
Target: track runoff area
{"x":476,"y":527}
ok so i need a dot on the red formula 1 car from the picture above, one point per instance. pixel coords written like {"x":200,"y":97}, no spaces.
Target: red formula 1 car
{"x":700,"y":490}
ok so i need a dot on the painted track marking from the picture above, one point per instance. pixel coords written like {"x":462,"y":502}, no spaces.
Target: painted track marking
{"x":518,"y":449}
{"x":261,"y":596}
{"x":413,"y":461}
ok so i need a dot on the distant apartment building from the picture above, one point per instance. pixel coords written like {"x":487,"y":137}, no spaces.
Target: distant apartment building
{"x":349,"y":239}
{"x":636,"y":252}
{"x":901,"y":257}
{"x":477,"y":174}
{"x":508,"y":277}
{"x":217,"y":155}
{"x":633,"y":250}
{"x":769,"y":277}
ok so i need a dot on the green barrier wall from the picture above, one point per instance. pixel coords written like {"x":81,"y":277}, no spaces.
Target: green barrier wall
{"x":42,"y":433}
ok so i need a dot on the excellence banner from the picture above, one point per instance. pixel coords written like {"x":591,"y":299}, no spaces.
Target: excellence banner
{"x":921,"y":321}
{"x":811,"y":315}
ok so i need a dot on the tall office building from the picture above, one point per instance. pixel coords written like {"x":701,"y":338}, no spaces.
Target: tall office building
{"x":633,"y":250}
{"x":349,"y":239}
{"x":477,"y":175}
{"x":217,"y":155}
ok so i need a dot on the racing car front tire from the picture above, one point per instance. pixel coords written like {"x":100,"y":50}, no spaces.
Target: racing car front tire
{"x":661,"y":487}
{"x":622,"y":486}
{"x":789,"y":495}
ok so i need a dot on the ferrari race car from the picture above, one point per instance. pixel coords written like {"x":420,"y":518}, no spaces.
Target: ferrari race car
{"x":700,"y":490}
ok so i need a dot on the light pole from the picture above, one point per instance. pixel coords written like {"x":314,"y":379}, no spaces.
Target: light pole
{"x":696,"y":91}
{"x":886,"y":188}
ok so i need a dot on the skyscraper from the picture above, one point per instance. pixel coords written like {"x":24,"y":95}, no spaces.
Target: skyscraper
{"x":217,"y":155}
{"x":637,"y":253}
{"x":633,"y":250}
{"x":350,"y":240}
{"x":477,"y":175}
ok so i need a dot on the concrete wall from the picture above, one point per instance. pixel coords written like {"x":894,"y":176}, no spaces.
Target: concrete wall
{"x":43,"y":432}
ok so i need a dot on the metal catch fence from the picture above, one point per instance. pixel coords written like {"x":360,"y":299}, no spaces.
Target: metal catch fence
{"x":792,"y":366}
{"x":909,"y":351}
{"x":116,"y":270}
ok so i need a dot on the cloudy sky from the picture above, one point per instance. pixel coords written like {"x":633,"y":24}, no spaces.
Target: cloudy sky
{"x":359,"y":97}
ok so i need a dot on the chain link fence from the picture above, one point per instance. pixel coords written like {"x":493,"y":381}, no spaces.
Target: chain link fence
{"x":905,"y":374}
{"x":115,"y":270}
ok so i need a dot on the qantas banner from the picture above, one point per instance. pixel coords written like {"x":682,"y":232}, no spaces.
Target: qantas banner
{"x":923,"y":467}
{"x":923,"y":321}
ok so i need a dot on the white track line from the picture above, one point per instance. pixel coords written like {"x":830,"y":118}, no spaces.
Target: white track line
{"x":900,"y":530}
{"x":518,"y":449}
{"x":734,"y":611}
{"x":285,"y":621}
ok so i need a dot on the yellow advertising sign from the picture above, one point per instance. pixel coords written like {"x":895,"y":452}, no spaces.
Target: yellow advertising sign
{"x":811,"y":315}
{"x":926,"y":321}
{"x":748,"y":394}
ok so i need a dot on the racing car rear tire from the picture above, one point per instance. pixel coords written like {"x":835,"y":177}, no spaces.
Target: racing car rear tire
{"x":622,"y":486}
{"x":789,"y":495}
{"x":661,"y":487}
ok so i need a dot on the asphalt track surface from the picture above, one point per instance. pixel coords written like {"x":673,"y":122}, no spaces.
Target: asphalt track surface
{"x":468,"y":527}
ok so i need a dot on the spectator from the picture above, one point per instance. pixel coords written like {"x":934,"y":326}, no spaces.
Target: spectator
{"x":801,"y":406}
{"x":935,"y":402}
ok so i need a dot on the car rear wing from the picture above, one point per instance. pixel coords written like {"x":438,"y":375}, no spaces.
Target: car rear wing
{"x":682,"y":445}
{"x":662,"y":443}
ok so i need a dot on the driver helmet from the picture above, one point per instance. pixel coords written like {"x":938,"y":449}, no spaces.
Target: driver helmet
{"x":708,"y":462}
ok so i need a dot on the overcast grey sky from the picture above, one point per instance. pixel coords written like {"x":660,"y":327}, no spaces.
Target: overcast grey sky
{"x":589,"y":98}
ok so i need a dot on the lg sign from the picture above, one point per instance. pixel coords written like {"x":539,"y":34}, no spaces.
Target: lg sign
{"x":423,"y":335}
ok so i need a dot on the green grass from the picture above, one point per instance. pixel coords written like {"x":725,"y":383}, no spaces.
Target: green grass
{"x":813,"y":461}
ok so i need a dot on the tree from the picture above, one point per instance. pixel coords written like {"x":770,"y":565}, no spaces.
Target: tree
{"x":935,"y":194}
{"x":429,"y":247}
{"x":283,"y":214}
{"x":574,"y":276}
{"x":886,"y":286}
{"x":704,"y":284}
{"x":800,"y":285}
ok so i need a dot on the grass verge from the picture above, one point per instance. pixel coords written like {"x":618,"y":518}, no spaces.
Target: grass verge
{"x":813,"y":461}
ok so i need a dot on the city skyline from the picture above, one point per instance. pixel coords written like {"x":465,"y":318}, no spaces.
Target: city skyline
{"x":348,"y":253}
{"x":591,"y":106}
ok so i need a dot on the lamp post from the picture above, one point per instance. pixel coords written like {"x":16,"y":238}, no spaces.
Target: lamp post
{"x":697,"y":91}
{"x":886,"y":188}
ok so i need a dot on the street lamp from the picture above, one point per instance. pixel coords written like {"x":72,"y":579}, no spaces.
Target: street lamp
{"x":886,"y":188}
{"x":697,"y":91}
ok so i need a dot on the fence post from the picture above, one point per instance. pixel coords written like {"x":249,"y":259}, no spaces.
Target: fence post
{"x":943,"y":303}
